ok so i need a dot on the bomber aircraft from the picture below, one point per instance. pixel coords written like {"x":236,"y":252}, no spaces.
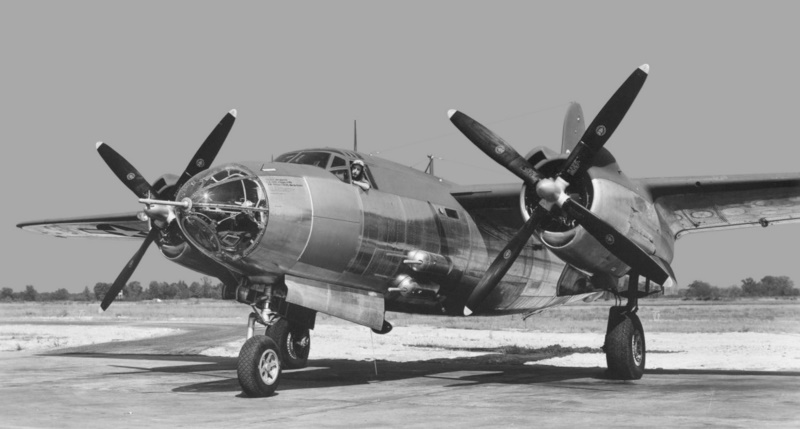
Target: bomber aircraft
{"x":295,"y":237}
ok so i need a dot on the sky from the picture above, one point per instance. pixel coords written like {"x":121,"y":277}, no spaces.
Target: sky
{"x":152,"y":79}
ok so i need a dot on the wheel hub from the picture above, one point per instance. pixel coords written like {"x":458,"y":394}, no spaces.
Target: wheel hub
{"x":637,"y":347}
{"x":269,"y":367}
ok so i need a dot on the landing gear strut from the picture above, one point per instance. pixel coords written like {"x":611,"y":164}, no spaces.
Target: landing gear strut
{"x":625,"y":345}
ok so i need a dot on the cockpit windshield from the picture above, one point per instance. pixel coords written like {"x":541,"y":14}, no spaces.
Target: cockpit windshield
{"x":317,"y":159}
{"x":229,"y":212}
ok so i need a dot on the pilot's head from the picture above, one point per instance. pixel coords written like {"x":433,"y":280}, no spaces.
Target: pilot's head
{"x":357,"y":169}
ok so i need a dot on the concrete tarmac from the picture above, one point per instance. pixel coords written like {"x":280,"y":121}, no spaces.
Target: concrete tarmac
{"x":145,"y":384}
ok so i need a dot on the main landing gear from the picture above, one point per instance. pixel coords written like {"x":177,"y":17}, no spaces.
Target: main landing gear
{"x":624,"y":346}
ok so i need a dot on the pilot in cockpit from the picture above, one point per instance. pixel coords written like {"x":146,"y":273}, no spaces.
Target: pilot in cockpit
{"x":359,"y":179}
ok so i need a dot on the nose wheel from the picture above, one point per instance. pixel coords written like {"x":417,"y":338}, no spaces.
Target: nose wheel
{"x":259,"y":368}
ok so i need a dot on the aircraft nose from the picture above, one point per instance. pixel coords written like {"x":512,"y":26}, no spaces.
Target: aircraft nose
{"x":228,"y":214}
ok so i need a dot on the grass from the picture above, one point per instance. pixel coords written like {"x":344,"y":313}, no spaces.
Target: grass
{"x":661,"y":315}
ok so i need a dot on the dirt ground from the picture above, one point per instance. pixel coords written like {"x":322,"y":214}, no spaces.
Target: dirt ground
{"x":22,"y":336}
{"x":170,"y":373}
{"x":723,"y":351}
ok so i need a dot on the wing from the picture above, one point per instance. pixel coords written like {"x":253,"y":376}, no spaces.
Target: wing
{"x":695,"y":204}
{"x":497,"y":202}
{"x":123,"y":225}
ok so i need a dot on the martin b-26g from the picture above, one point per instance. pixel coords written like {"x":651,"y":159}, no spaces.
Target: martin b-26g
{"x":354,"y":236}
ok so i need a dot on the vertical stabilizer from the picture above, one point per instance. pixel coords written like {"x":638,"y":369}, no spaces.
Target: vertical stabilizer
{"x":574,"y":127}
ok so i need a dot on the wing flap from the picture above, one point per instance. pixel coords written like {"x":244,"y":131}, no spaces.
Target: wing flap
{"x":123,"y":225}
{"x":695,"y":204}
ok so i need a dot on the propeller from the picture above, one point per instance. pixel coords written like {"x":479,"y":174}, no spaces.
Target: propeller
{"x":551,"y":190}
{"x":134,"y":180}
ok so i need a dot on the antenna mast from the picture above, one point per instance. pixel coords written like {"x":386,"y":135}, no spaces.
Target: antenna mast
{"x":429,"y":168}
{"x":355,"y":137}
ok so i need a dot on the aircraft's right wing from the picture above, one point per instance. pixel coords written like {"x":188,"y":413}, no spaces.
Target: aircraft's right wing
{"x":124,"y":225}
{"x":695,"y":204}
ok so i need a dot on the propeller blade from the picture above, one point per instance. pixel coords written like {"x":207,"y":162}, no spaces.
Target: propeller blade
{"x":129,"y":175}
{"x":604,"y":124}
{"x":208,"y":150}
{"x":126,"y":273}
{"x":504,"y":260}
{"x":493,"y":145}
{"x":617,"y":243}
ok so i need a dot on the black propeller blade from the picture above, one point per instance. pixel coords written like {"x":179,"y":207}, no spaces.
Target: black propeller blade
{"x":603,"y":125}
{"x":126,"y":273}
{"x":208,"y":150}
{"x":552,"y":191}
{"x":493,"y":145}
{"x":504,"y":260}
{"x":123,"y":169}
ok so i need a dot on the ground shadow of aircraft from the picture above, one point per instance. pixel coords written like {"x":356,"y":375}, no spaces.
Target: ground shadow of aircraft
{"x":443,"y":373}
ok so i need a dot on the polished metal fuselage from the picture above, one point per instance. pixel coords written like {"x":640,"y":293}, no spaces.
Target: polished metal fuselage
{"x":322,"y":229}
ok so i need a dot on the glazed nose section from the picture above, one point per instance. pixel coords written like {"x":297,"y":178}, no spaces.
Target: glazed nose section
{"x":228,"y":213}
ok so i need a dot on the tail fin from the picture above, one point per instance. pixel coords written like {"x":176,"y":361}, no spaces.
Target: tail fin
{"x":573,"y":127}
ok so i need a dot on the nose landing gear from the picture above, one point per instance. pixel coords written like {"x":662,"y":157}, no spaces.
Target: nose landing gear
{"x":286,"y":341}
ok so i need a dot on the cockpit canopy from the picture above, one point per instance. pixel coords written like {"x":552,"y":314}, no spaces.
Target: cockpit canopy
{"x":229,"y":211}
{"x":333,"y":160}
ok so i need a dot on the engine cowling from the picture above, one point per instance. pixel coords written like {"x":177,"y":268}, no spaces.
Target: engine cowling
{"x":611,"y":196}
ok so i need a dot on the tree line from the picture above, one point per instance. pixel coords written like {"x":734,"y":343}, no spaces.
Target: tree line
{"x":769,"y":286}
{"x":133,"y":291}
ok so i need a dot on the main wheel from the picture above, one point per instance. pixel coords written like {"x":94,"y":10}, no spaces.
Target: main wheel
{"x":625,"y":347}
{"x":259,"y":368}
{"x":293,"y":341}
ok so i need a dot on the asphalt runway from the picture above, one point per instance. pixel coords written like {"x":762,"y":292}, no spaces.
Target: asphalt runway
{"x":153,"y":383}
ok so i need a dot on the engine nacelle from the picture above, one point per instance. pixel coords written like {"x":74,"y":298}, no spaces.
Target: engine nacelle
{"x":613,"y":198}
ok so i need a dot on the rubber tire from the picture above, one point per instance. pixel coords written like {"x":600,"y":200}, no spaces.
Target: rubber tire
{"x":623,"y":335}
{"x":289,"y":338}
{"x":249,"y":367}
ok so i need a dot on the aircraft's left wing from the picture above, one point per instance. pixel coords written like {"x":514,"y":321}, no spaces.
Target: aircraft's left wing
{"x":695,"y":204}
{"x":123,"y":225}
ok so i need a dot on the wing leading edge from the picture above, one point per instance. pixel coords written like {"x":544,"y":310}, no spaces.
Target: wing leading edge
{"x":123,"y":225}
{"x":710,"y":203}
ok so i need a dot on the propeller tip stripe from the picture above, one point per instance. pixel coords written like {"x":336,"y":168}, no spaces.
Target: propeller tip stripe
{"x":98,"y":144}
{"x":451,"y":112}
{"x":233,"y":112}
{"x":645,"y":68}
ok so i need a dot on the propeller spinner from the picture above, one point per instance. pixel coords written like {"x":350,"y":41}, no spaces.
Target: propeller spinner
{"x":551,"y":190}
{"x":162,"y":214}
